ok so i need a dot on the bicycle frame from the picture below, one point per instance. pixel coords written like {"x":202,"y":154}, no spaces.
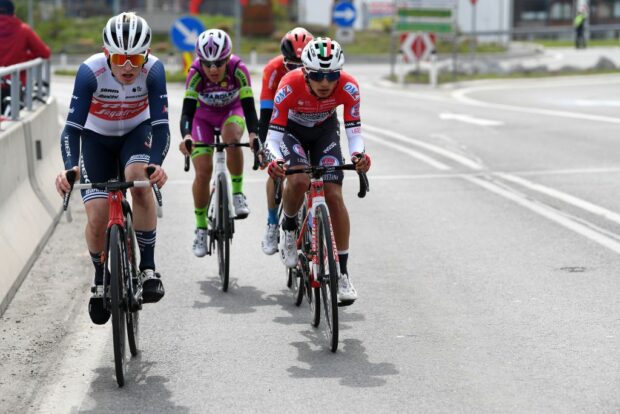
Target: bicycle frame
{"x":315,"y":197}
{"x":219,"y":168}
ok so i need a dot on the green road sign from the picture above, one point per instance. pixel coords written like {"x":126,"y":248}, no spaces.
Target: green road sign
{"x":438,"y":20}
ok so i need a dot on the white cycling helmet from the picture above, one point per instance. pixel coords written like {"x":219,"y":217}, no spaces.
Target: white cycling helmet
{"x":322,"y":54}
{"x":127,"y":34}
{"x":213,"y":44}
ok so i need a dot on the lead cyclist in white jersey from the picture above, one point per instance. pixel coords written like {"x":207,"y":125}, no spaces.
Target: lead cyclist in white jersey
{"x":119,"y":112}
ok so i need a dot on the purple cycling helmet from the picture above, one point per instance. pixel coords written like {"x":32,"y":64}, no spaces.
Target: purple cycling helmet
{"x":212,"y":45}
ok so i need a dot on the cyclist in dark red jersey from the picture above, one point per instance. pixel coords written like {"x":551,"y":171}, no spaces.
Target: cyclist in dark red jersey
{"x":304,"y":130}
{"x":291,"y":47}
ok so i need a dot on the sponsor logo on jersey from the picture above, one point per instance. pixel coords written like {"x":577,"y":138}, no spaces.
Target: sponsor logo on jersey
{"x":329,"y":147}
{"x":71,"y":110}
{"x":275,"y":114}
{"x":329,"y":161}
{"x":299,"y":150}
{"x":352,"y":90}
{"x":355,"y":111}
{"x":283,"y":93}
{"x":116,"y":111}
{"x":100,"y":71}
{"x":284,"y":150}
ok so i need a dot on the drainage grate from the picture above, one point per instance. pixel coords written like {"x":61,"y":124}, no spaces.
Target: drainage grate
{"x":573,"y":269}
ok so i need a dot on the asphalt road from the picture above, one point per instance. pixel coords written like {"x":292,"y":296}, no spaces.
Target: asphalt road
{"x":486,"y":258}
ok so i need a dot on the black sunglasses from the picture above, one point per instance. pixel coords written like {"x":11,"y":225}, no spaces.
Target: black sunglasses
{"x":217,"y":63}
{"x":318,"y":76}
{"x":292,"y":65}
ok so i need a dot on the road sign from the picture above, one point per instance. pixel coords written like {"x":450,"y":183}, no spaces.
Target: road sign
{"x":344,"y":14}
{"x":426,"y":19}
{"x":184,"y":32}
{"x":345,"y":35}
{"x":417,"y":46}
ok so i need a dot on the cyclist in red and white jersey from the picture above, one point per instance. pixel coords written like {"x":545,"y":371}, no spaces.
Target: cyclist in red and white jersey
{"x":119,"y":115}
{"x":305,"y":130}
{"x":291,"y":47}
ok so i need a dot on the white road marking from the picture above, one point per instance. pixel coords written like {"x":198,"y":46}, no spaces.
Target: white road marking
{"x":469,"y":119}
{"x":415,"y":154}
{"x":461,"y":96}
{"x":567,"y":198}
{"x":589,"y":231}
{"x":430,"y":147}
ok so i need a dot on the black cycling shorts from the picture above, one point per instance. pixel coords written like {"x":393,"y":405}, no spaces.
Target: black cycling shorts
{"x":102,"y":155}
{"x":321,"y":142}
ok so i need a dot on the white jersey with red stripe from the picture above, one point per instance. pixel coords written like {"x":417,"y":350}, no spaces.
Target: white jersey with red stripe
{"x":115,"y":109}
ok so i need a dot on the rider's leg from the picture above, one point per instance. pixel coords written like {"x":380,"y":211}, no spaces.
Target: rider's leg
{"x":203,"y":166}
{"x":269,"y":243}
{"x":272,"y":209}
{"x":232,"y":131}
{"x":96,"y":224}
{"x":145,"y":215}
{"x":340,"y":222}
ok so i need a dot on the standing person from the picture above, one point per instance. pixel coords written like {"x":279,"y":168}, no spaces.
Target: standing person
{"x":305,"y":121}
{"x":18,"y":42}
{"x":218,"y":95}
{"x":291,"y":47}
{"x":580,"y":24}
{"x":119,"y":109}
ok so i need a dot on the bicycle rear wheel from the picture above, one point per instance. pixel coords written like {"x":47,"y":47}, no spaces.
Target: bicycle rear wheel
{"x":328,"y":273}
{"x":116,"y":254}
{"x":223,"y":232}
{"x":133,"y":286}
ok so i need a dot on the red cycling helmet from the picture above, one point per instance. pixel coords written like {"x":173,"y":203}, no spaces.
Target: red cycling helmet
{"x":294,"y":42}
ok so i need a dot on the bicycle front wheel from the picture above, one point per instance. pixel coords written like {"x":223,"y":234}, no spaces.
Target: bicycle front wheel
{"x":224,"y":232}
{"x":133,"y":286}
{"x":116,"y":255}
{"x":328,"y":274}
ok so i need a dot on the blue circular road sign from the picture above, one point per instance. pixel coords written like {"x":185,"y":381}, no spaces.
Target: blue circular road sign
{"x":344,"y":14}
{"x":184,"y":32}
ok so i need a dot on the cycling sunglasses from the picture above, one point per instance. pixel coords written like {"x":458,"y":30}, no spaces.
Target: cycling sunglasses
{"x":292,"y":65}
{"x":318,"y":76}
{"x":217,"y":63}
{"x":135,"y":61}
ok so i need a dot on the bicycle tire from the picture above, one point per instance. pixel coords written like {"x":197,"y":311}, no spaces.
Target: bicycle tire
{"x":115,"y":254}
{"x":328,"y":271}
{"x":310,"y":293}
{"x":133,"y":285}
{"x":295,"y":281}
{"x":223,"y":229}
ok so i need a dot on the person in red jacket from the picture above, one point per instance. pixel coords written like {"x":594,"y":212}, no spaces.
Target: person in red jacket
{"x":18,"y":42}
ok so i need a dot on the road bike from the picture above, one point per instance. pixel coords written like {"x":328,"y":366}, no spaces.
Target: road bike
{"x":317,"y":271}
{"x":122,"y":296}
{"x":221,"y":212}
{"x":292,"y":276}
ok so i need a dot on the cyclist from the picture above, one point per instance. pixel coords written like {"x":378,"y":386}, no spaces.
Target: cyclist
{"x":218,"y":95}
{"x":119,"y":109}
{"x":304,"y":120}
{"x":291,"y":46}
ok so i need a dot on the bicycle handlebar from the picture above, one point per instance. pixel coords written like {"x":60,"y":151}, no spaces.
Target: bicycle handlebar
{"x":190,"y":145}
{"x":317,"y":171}
{"x":110,"y":186}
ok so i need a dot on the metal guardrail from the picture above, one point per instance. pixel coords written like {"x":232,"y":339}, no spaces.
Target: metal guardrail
{"x":37,"y":87}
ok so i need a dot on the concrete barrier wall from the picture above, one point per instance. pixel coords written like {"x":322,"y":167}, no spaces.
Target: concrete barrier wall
{"x":29,"y":205}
